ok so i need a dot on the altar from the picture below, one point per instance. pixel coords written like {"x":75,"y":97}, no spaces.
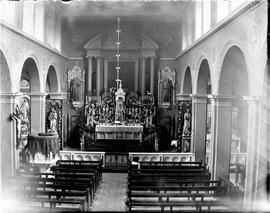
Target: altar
{"x":119,"y":132}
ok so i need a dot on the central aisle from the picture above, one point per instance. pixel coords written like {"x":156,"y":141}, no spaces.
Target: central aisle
{"x":111,"y":193}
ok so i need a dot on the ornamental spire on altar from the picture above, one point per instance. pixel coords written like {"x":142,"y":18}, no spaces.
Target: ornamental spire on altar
{"x":118,"y":81}
{"x":120,"y":94}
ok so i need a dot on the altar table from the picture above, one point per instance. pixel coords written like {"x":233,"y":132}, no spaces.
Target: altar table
{"x":43,"y":145}
{"x":119,"y":132}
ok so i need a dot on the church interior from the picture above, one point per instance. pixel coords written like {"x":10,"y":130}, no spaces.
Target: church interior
{"x":140,"y":106}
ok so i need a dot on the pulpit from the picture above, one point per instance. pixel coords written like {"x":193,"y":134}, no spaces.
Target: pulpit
{"x":43,"y":143}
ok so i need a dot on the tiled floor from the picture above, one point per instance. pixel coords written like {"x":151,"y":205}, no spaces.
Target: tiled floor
{"x":111,"y":194}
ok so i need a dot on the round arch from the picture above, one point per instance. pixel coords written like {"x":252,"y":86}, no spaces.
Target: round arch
{"x":5,"y":86}
{"x":204,"y":78}
{"x":30,"y":73}
{"x":233,"y":125}
{"x":233,"y":79}
{"x":51,"y":80}
{"x":187,"y":83}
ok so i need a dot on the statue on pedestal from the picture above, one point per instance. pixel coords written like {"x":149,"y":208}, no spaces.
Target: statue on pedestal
{"x":53,"y":121}
{"x":186,"y":127}
{"x":119,"y":105}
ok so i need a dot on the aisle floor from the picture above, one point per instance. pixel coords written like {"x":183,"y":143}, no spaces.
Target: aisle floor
{"x":111,"y":193}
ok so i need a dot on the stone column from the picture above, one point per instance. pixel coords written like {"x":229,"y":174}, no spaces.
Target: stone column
{"x":106,"y":75}
{"x":221,"y":111}
{"x":256,"y":160}
{"x":9,"y":158}
{"x":38,"y":120}
{"x":98,"y":76}
{"x":136,"y":76}
{"x":199,"y":116}
{"x":90,"y":72}
{"x":143,"y":75}
{"x":152,"y":75}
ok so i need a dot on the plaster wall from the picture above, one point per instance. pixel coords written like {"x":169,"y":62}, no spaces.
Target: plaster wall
{"x":17,"y":48}
{"x":247,"y":32}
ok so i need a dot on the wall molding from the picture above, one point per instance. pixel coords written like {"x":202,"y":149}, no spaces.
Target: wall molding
{"x":30,"y":38}
{"x":227,"y":21}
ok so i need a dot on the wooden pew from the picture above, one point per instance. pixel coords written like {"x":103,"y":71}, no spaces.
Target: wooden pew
{"x":87,"y":176}
{"x":78,"y":171}
{"x":55,"y":197}
{"x":181,"y":185}
{"x":81,"y":165}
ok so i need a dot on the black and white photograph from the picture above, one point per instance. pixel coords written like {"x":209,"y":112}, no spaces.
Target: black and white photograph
{"x":134,"y":106}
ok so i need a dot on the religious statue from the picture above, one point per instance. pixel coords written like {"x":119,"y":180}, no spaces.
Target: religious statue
{"x":187,"y":121}
{"x":18,"y":116}
{"x":119,"y":104}
{"x":119,"y":110}
{"x":74,"y":90}
{"x":53,"y":121}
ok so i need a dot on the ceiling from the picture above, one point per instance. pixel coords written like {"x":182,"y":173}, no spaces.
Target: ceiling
{"x":159,"y":20}
{"x":159,"y":11}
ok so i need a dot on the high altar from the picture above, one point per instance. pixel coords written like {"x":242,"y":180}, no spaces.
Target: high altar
{"x":119,"y":114}
{"x":117,"y":117}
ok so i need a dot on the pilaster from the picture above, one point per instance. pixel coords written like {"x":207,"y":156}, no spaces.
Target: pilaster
{"x":221,"y":111}
{"x":199,"y":116}
{"x":257,"y":152}
{"x":9,"y":155}
{"x":136,"y":77}
{"x":105,"y":74}
{"x":90,"y":72}
{"x":152,"y":59}
{"x":143,"y":76}
{"x":38,"y":104}
{"x":98,"y":75}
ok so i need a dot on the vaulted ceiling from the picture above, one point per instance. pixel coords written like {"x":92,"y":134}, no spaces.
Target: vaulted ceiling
{"x":159,"y":20}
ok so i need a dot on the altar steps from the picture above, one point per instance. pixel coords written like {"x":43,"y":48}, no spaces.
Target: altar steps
{"x":116,"y":146}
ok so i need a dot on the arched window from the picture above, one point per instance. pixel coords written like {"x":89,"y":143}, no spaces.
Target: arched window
{"x":28,"y":17}
{"x":206,"y":15}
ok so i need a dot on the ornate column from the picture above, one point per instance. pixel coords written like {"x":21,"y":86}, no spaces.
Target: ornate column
{"x":90,"y":72}
{"x":143,"y":75}
{"x":38,"y":104}
{"x":221,"y":110}
{"x":9,"y":158}
{"x":98,"y":76}
{"x":199,"y":116}
{"x":105,"y":74}
{"x":136,"y":77}
{"x":152,"y":59}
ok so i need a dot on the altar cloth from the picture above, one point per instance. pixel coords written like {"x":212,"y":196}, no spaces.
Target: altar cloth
{"x":43,"y":145}
{"x":118,"y":128}
{"x":119,"y":132}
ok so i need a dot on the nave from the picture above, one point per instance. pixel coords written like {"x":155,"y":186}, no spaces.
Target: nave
{"x":100,"y":84}
{"x":149,"y":187}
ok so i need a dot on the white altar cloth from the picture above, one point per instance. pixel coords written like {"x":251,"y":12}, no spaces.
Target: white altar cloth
{"x":119,"y":132}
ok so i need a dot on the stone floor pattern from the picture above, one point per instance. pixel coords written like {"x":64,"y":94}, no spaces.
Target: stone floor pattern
{"x":111,"y":193}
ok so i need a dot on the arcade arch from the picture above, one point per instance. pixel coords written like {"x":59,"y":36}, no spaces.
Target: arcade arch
{"x":200,"y":113}
{"x":30,"y":73}
{"x":204,"y":80}
{"x":187,"y":85}
{"x":7,"y":146}
{"x":5,"y":86}
{"x":51,"y":81}
{"x":31,"y":87}
{"x":231,"y":114}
